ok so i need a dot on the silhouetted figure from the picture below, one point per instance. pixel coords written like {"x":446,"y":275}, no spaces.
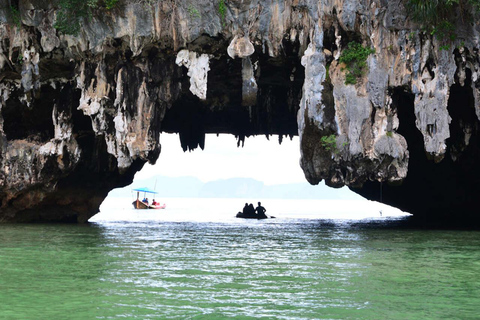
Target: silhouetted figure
{"x":260,"y":211}
{"x":245,"y":209}
{"x":251,"y":210}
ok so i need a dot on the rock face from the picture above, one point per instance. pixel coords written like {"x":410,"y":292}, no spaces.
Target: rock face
{"x":81,"y":114}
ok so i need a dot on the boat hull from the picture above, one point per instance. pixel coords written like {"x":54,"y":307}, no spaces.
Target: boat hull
{"x":254,"y":216}
{"x":163,"y":206}
{"x":140,"y":205}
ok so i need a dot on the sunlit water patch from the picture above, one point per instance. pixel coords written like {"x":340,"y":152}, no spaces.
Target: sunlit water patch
{"x":224,"y":210}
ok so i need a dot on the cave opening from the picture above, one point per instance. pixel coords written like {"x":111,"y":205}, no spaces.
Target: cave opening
{"x":437,"y":193}
{"x":463,"y":150}
{"x":213,"y":184}
{"x":426,"y":181}
{"x":30,"y":122}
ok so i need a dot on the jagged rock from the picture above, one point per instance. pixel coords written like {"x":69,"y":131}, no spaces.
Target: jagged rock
{"x":81,"y":114}
{"x":249,"y":86}
{"x":198,"y":67}
{"x":240,"y":47}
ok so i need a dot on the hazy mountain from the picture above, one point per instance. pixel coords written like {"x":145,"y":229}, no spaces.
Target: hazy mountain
{"x":187,"y":187}
{"x":191,"y":187}
{"x":232,"y":188}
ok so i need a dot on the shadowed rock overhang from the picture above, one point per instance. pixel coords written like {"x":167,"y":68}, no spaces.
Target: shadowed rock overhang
{"x":80,"y":114}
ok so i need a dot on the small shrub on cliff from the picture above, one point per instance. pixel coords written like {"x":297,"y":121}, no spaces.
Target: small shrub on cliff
{"x":16,"y":16}
{"x":355,"y":59}
{"x":110,"y":4}
{"x":222,"y":10}
{"x":71,"y":12}
{"x":438,"y":17}
{"x":329,"y":142}
{"x":194,"y":13}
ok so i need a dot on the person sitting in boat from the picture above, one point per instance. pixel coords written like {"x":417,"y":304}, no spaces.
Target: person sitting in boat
{"x":261,"y":211}
{"x":245,"y":209}
{"x":154,"y":203}
{"x":251,"y":210}
{"x":145,"y":201}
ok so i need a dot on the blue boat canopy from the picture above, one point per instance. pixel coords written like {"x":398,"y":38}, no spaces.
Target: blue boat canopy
{"x":147,"y":190}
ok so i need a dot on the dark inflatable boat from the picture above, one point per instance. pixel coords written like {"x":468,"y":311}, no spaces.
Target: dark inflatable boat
{"x":253,"y":216}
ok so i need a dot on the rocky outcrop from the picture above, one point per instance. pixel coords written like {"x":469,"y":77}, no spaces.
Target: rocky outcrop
{"x":81,"y":114}
{"x":399,"y":130}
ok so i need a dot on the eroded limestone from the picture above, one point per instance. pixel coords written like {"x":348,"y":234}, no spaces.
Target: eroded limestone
{"x":112,"y":89}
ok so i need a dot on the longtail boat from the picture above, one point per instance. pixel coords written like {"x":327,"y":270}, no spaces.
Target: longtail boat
{"x":140,"y":204}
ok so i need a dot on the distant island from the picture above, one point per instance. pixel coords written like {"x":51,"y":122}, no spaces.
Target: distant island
{"x":191,"y":187}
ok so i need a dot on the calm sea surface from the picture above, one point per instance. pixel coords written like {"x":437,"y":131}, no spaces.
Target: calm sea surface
{"x":195,"y":261}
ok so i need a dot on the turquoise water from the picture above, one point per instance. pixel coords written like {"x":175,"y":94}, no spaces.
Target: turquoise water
{"x":284,"y":268}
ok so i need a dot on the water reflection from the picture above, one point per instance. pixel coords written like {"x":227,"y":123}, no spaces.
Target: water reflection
{"x":284,"y":269}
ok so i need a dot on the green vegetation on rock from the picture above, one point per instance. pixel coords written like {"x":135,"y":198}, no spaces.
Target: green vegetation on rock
{"x":71,"y":13}
{"x":193,"y":12}
{"x":222,"y":10}
{"x":110,"y":4}
{"x":329,"y":142}
{"x":16,"y":16}
{"x":355,"y":59}
{"x":438,"y":17}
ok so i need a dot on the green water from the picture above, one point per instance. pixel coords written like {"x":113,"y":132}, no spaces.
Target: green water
{"x":296,"y":269}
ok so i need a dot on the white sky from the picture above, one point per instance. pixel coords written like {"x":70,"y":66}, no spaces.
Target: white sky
{"x":260,"y":159}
